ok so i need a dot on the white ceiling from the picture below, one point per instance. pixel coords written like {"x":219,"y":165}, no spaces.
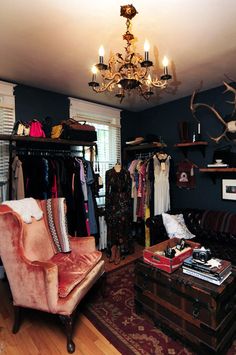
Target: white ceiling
{"x":52,"y":44}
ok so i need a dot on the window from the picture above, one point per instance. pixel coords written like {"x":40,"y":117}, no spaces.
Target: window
{"x":107,"y":123}
{"x":7,"y":120}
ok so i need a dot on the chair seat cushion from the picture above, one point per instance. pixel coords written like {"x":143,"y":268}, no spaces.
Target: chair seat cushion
{"x":73,"y":268}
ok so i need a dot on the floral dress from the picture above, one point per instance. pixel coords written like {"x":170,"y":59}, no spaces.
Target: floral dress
{"x":118,"y":205}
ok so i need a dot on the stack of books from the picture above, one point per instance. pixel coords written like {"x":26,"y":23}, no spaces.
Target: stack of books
{"x":215,"y":270}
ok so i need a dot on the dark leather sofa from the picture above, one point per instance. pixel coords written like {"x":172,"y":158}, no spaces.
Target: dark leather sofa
{"x":213,"y":229}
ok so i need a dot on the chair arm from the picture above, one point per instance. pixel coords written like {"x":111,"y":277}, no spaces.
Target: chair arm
{"x":82,"y":245}
{"x":50,"y":274}
{"x":35,"y":285}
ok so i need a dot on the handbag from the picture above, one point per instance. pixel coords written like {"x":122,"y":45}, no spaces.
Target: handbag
{"x":36,"y":129}
{"x":77,"y":125}
{"x":47,"y":126}
{"x":21,"y":128}
{"x":73,"y":129}
{"x":56,"y":131}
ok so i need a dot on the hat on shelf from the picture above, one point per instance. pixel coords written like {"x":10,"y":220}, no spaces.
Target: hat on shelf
{"x":134,"y":141}
{"x":152,"y":138}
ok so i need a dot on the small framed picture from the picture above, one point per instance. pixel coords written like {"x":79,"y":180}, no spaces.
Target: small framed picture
{"x":229,"y":189}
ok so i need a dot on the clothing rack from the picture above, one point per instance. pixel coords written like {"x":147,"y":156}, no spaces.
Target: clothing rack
{"x":144,"y":155}
{"x":49,"y":152}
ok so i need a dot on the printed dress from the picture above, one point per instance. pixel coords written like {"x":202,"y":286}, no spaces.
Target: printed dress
{"x":118,"y":206}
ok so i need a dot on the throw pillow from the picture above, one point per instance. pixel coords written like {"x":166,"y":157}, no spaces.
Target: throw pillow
{"x":175,"y":226}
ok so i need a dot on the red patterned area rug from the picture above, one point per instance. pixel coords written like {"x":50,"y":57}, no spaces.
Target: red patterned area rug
{"x":114,"y":316}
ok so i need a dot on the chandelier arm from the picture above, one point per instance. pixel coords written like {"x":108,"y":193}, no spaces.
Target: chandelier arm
{"x":159,"y":83}
{"x":107,"y":85}
{"x":142,"y":93}
{"x":112,"y":78}
{"x":140,"y":75}
{"x":122,"y":98}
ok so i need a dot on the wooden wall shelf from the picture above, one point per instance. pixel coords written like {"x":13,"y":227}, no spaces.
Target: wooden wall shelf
{"x":201,"y":145}
{"x":130,"y":151}
{"x":190,"y":144}
{"x":216,"y":172}
{"x":39,"y":140}
{"x":145,"y":146}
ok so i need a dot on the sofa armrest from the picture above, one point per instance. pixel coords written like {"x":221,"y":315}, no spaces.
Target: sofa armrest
{"x":82,"y":245}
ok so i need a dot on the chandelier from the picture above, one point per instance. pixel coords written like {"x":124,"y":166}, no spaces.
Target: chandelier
{"x":131,"y":71}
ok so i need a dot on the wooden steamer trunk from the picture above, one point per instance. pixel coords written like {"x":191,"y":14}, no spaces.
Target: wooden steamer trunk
{"x":201,"y":314}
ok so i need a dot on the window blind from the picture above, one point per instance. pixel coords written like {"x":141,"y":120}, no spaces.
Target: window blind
{"x":7,"y":120}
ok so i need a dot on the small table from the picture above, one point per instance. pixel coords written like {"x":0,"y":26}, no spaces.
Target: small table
{"x":201,"y":314}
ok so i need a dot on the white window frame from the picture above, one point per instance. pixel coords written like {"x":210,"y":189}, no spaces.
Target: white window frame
{"x":7,"y":121}
{"x":106,"y":118}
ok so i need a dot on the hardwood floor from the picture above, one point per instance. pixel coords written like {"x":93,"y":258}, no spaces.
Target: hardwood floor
{"x":42,"y":334}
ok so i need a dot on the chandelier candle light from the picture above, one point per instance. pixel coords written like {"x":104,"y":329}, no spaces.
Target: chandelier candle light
{"x":128,"y":72}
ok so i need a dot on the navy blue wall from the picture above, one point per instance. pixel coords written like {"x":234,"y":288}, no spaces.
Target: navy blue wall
{"x":163,"y":121}
{"x":36,"y":103}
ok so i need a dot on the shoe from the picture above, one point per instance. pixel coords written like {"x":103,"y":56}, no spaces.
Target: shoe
{"x":113,"y":254}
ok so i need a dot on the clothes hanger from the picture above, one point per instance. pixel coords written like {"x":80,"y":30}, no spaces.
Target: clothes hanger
{"x":162,"y":155}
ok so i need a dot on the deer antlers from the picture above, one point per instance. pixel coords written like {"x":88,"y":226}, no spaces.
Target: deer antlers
{"x":233,"y":90}
{"x":230,"y":127}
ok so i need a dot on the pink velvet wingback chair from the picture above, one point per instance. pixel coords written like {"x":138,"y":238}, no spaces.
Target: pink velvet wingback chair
{"x":42,"y":279}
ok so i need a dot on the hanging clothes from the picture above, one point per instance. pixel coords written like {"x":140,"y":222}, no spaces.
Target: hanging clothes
{"x":45,"y":177}
{"x":134,"y":193}
{"x":18,"y":189}
{"x":118,"y":208}
{"x":91,"y":208}
{"x":141,"y":167}
{"x":37,"y":177}
{"x":77,"y":206}
{"x":151,"y":181}
{"x":85,"y":192}
{"x":103,"y":233}
{"x":161,"y":183}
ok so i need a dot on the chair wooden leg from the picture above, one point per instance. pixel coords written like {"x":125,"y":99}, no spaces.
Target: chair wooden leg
{"x":17,"y":319}
{"x":68,"y":323}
